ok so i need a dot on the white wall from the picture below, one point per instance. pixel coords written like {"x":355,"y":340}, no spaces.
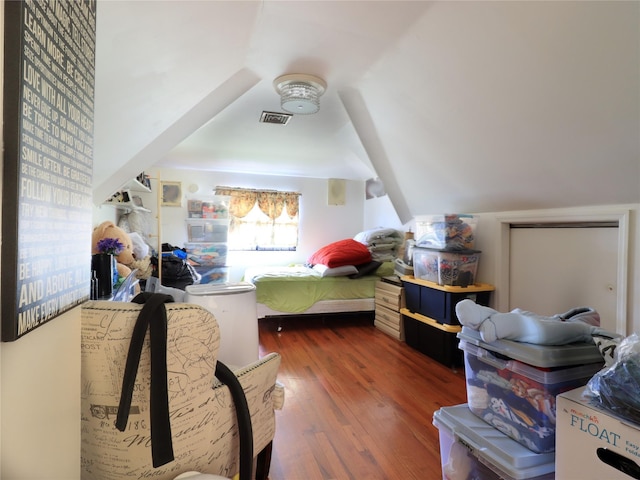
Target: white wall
{"x":379,"y":212}
{"x":40,"y":415}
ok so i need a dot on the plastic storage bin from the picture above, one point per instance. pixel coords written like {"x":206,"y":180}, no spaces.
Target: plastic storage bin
{"x":469,"y":448}
{"x":446,"y":267}
{"x":212,"y":274}
{"x":207,"y":230}
{"x":206,"y":254}
{"x":542,"y":356}
{"x":213,"y":207}
{"x":518,"y":398}
{"x":411,"y":294}
{"x":425,"y":264}
{"x":431,"y":338}
{"x":439,"y":302}
{"x":451,"y":231}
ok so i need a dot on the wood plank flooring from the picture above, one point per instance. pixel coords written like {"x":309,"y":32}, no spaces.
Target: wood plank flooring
{"x":358,"y":404}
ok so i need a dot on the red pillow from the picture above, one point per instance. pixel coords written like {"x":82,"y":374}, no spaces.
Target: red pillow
{"x":340,"y":253}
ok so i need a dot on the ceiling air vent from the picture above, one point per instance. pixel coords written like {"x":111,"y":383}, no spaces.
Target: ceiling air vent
{"x":275,"y":117}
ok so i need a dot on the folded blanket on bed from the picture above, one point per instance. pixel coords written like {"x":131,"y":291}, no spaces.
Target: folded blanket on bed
{"x":383,"y":243}
{"x":380,"y":235}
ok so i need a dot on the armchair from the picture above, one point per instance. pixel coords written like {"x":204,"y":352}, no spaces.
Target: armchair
{"x":202,"y":425}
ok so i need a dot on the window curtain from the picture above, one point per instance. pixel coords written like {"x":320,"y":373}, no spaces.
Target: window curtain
{"x":270,"y":202}
{"x":262,"y":219}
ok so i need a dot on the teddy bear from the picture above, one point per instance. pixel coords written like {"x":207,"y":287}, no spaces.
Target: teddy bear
{"x":109,"y":229}
{"x":126,"y":259}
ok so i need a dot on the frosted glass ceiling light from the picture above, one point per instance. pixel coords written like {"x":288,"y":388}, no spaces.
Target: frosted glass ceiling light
{"x":300,"y":93}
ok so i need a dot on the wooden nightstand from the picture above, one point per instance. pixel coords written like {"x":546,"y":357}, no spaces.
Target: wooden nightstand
{"x":389,"y":300}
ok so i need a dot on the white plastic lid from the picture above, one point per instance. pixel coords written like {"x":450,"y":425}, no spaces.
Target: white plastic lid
{"x":503,"y":455}
{"x":545,"y":356}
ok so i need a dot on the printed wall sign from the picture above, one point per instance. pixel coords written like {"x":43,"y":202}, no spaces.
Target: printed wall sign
{"x":49,"y":70}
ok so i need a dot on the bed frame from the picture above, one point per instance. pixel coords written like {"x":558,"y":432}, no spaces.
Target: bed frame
{"x":323,"y":307}
{"x":361,"y":308}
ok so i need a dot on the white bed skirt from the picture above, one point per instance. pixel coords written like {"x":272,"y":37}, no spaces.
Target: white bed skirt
{"x":324,"y":306}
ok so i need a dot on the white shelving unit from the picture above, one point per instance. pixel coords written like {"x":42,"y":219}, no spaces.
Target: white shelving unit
{"x":136,"y":197}
{"x":129,"y":190}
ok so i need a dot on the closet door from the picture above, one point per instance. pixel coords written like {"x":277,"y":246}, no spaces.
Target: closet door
{"x":553,"y":268}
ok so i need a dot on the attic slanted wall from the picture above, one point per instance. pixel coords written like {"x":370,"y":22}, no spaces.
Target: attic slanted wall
{"x":365,"y":128}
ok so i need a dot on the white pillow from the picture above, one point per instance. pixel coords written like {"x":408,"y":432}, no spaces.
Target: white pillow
{"x":325,"y":271}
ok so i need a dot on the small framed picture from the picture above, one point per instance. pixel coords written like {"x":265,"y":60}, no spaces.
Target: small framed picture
{"x":171,"y":194}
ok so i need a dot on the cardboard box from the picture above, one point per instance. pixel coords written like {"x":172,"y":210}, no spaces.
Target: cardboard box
{"x":588,"y":437}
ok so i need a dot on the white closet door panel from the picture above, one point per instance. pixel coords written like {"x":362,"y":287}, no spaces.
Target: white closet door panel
{"x":555,"y":269}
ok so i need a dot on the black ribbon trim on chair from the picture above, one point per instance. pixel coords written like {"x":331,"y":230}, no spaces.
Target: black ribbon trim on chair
{"x":245,"y":430}
{"x":153,"y":316}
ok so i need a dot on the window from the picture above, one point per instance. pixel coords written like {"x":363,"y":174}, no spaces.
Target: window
{"x":262,"y":219}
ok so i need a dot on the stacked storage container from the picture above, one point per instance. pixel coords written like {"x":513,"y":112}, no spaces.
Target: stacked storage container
{"x":430,"y":321}
{"x":511,"y":390}
{"x":513,"y":385}
{"x":445,"y":265}
{"x":444,"y":252}
{"x":207,"y":230}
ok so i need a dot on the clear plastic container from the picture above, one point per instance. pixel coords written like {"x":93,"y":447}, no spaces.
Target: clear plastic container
{"x":206,"y":254}
{"x":519,"y":399}
{"x":450,"y":231}
{"x":444,"y":267}
{"x":469,"y":448}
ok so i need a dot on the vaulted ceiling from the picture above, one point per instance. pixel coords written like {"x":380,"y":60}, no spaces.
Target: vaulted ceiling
{"x":457,"y":106}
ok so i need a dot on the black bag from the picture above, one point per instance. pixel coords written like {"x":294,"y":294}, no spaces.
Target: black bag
{"x":176,"y":272}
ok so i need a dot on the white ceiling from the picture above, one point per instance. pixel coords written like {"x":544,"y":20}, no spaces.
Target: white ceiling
{"x":457,"y":106}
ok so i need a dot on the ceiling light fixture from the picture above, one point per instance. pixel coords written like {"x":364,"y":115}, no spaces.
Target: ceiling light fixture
{"x":300,"y":93}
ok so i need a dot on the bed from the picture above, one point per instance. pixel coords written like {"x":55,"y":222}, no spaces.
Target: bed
{"x":302,"y":290}
{"x":338,"y":278}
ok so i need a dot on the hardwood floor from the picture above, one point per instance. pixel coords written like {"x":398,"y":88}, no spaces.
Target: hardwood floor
{"x":358,"y":403}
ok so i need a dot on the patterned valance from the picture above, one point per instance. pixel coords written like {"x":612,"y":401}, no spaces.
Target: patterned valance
{"x":270,"y":202}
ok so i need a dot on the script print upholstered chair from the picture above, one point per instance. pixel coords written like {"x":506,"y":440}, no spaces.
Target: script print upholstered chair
{"x":184,"y":422}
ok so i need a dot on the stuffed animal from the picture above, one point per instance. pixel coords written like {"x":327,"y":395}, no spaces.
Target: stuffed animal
{"x":109,"y":229}
{"x":134,"y":256}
